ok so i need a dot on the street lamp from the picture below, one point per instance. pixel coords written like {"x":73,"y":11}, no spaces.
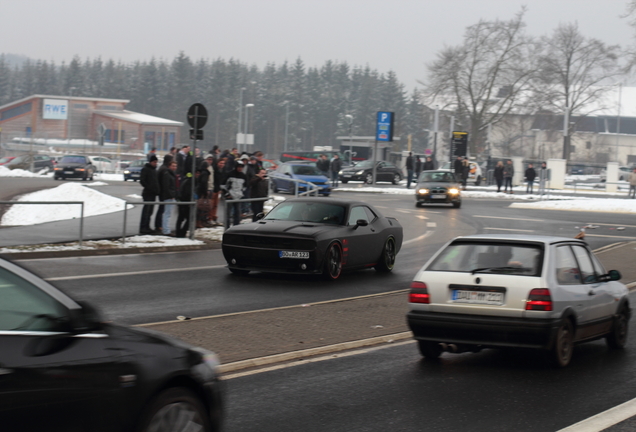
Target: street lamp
{"x":245,"y":134}
{"x":286,"y":123}
{"x":240,"y":110}
{"x":68,"y":120}
{"x":349,"y":118}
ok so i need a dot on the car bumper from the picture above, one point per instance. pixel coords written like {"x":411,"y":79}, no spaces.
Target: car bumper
{"x":428,"y":198}
{"x":71,"y":174}
{"x":483,"y":330}
{"x":268,"y":260}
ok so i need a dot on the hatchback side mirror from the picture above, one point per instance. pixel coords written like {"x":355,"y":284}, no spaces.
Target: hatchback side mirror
{"x":614,"y":275}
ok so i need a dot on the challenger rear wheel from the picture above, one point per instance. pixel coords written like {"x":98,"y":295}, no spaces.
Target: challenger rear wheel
{"x":333,"y":262}
{"x":387,"y":259}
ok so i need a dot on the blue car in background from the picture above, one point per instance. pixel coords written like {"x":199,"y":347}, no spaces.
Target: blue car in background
{"x":133,"y":171}
{"x":282,"y":178}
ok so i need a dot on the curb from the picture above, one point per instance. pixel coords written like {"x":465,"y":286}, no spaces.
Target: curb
{"x":295,"y":355}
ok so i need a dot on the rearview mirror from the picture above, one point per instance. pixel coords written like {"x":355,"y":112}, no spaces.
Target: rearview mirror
{"x":361,"y":222}
{"x":614,"y":275}
{"x":86,"y":319}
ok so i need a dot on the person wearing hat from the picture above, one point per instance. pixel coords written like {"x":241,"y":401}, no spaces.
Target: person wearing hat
{"x":150,"y":182}
{"x":152,"y":152}
{"x":235,"y":186}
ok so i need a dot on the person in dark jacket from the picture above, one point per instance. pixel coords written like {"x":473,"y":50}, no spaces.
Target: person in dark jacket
{"x":458,"y":168}
{"x":185,"y":195}
{"x":410,"y":167}
{"x":530,"y":175}
{"x":167,"y":159}
{"x":428,"y":164}
{"x":168,"y":192}
{"x":334,"y":168}
{"x":181,"y":159}
{"x":465,"y":171}
{"x":258,"y":189}
{"x":418,"y":167}
{"x":498,"y":174}
{"x":150,"y":182}
{"x":219,"y":180}
{"x":323,"y":165}
{"x":508,"y":174}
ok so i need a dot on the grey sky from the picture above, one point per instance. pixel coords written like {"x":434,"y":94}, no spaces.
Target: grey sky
{"x":398,"y":35}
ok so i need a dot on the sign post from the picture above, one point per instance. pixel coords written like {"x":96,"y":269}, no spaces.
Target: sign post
{"x":197,"y":118}
{"x":459,"y":145}
{"x":383,"y":132}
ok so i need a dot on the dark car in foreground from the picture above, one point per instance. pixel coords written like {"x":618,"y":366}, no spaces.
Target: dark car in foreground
{"x":519,"y":291}
{"x":363,"y":171}
{"x":438,"y":187}
{"x":35,"y":163}
{"x":314,"y":236}
{"x":283,"y":179}
{"x":133,"y":170}
{"x":63,"y":369}
{"x":75,"y":167}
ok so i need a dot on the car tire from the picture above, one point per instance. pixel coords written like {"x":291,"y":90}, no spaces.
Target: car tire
{"x":333,"y":262}
{"x":368,"y":179}
{"x":417,"y":204}
{"x":92,"y":175}
{"x":430,"y":350}
{"x":175,"y":409}
{"x":563,"y":344}
{"x":457,"y":204}
{"x":387,"y":258}
{"x":396,"y":179}
{"x":240,"y":272}
{"x":617,"y":339}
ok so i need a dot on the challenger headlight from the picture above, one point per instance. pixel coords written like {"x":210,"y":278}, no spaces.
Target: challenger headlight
{"x":360,"y":172}
{"x":422,"y":191}
{"x":453,"y":191}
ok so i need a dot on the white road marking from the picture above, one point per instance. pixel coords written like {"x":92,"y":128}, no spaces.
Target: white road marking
{"x":508,"y":229}
{"x":404,"y":211}
{"x":422,"y":217}
{"x":605,"y":419}
{"x":609,"y":236}
{"x":134,"y":273}
{"x":431,"y":224}
{"x":603,"y":224}
{"x":508,"y":218}
{"x":422,"y":237}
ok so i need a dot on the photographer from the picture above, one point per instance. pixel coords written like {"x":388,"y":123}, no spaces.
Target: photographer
{"x":259,"y":185}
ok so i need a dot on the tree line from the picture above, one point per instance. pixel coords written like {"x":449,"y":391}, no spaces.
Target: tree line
{"x":310,"y":103}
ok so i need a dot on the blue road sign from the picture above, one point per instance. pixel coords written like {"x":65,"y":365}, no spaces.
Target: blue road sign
{"x":384,"y":131}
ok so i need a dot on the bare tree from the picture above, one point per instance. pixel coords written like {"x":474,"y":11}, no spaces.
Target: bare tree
{"x":575,"y":71}
{"x":484,"y":78}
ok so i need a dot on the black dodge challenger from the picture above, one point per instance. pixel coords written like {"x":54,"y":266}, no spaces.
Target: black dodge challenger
{"x":314,"y":236}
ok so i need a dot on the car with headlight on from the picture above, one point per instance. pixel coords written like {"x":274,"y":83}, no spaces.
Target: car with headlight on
{"x":63,"y":368}
{"x":133,"y":170}
{"x":314,"y":235}
{"x":74,"y":166}
{"x":520,"y":291}
{"x":438,"y":187}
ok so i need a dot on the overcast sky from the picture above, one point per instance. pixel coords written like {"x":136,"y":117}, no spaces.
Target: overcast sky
{"x":398,"y":35}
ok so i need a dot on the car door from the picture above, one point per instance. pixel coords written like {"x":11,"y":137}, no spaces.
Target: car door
{"x":571,"y":290}
{"x":602,"y":303}
{"x":357,"y":249}
{"x":50,"y":379}
{"x":383,"y":173}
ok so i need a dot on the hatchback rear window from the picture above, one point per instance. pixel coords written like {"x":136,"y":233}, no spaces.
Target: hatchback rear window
{"x":491,"y":257}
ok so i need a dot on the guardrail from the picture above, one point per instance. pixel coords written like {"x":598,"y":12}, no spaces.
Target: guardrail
{"x":604,"y":183}
{"x":80,"y":203}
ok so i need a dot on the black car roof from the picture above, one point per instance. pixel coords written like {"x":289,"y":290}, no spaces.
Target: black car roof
{"x":327,"y":200}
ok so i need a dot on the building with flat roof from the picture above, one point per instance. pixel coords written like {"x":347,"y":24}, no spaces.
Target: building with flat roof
{"x":74,"y":122}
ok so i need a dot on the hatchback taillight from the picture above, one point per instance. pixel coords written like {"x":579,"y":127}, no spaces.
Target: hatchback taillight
{"x":539,"y":299}
{"x":419,"y":293}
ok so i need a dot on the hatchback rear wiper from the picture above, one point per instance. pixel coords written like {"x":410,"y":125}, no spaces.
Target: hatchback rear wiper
{"x":495,"y":268}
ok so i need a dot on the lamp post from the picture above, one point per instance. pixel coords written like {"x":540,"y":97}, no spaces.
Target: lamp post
{"x":240,"y":110}
{"x":68,"y":120}
{"x":245,"y":134}
{"x":286,"y":123}
{"x":349,"y":118}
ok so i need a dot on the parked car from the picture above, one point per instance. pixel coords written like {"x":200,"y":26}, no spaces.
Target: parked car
{"x":314,"y":236}
{"x":623,"y":173}
{"x":74,"y":166}
{"x":133,"y":170}
{"x":281,"y":180}
{"x":474,"y":173}
{"x":363,"y":171}
{"x":542,"y":292}
{"x":6,"y":159}
{"x":40,"y":163}
{"x":438,"y":187}
{"x":64,"y":368}
{"x":102,"y":164}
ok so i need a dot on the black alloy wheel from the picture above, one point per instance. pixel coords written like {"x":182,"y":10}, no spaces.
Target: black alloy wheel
{"x":176,"y":409}
{"x":333,"y":262}
{"x":387,"y":259}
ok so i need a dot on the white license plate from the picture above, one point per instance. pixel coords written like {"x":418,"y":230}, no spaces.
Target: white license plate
{"x":293,"y":254}
{"x":438,"y":196}
{"x":478,"y":297}
{"x":69,"y":172}
{"x":346,"y":175}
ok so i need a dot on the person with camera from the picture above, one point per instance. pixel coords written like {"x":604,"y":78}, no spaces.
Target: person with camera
{"x":258,"y":189}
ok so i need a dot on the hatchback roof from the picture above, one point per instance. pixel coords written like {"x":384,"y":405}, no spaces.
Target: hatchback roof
{"x":520,"y":238}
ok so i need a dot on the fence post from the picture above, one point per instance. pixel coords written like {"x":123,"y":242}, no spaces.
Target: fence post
{"x":81,"y":233}
{"x":123,"y":231}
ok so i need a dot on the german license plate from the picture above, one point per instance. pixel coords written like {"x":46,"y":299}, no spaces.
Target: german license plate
{"x":438,"y":196}
{"x":293,"y":254}
{"x":346,"y":175}
{"x":478,"y":297}
{"x":69,"y":172}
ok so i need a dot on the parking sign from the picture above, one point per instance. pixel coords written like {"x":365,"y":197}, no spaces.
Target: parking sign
{"x":384,"y":130}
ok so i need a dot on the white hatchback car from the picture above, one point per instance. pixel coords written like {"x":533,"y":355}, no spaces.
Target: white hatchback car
{"x":542,"y":292}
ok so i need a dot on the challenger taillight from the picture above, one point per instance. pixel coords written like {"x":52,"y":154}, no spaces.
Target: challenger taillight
{"x":419,"y":293}
{"x":539,"y":299}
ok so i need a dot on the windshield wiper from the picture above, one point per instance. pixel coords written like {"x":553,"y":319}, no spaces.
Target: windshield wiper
{"x":495,"y":268}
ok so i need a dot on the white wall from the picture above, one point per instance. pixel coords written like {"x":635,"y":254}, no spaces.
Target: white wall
{"x":557,"y":173}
